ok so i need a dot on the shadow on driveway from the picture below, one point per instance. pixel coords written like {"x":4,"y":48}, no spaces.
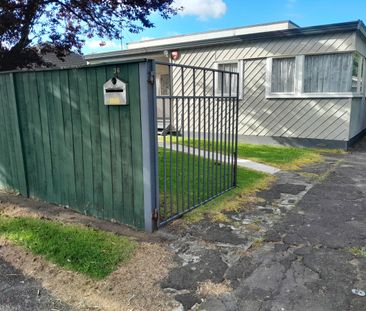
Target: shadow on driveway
{"x":20,"y":293}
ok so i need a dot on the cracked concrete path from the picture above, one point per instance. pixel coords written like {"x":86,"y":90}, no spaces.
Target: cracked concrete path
{"x":20,"y":293}
{"x":306,"y":225}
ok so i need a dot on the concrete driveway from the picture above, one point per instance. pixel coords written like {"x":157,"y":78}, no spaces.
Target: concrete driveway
{"x":307,"y":225}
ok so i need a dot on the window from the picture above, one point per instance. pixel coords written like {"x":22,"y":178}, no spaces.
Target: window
{"x":328,"y":73}
{"x":283,"y":75}
{"x":323,"y":75}
{"x":358,"y":64}
{"x":164,"y":84}
{"x":223,"y":79}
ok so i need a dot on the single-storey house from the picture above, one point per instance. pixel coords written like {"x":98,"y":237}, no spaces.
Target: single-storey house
{"x":297,"y":85}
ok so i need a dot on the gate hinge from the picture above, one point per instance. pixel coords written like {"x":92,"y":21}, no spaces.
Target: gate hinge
{"x":151,"y":78}
{"x":155,"y":214}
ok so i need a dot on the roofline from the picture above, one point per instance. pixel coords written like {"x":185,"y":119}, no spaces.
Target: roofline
{"x":220,"y":30}
{"x":293,"y":23}
{"x":362,"y":28}
{"x":294,"y":32}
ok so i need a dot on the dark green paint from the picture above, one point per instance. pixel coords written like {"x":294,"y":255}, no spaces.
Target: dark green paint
{"x":59,"y":142}
{"x":12,"y":175}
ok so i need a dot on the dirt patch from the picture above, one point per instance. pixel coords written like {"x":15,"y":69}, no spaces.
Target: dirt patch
{"x":253,"y":227}
{"x":18,"y":206}
{"x":133,"y":286}
{"x":209,"y":288}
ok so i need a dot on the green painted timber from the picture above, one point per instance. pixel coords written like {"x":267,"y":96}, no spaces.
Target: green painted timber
{"x":61,"y":144}
{"x":12,"y":170}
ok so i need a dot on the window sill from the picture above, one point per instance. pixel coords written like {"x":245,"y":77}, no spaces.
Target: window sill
{"x":314,"y":95}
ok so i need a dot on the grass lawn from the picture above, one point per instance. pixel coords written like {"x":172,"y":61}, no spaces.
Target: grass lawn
{"x":207,"y":182}
{"x":249,"y":181}
{"x":286,"y":158}
{"x":202,"y":185}
{"x":189,"y":180}
{"x":90,"y":252}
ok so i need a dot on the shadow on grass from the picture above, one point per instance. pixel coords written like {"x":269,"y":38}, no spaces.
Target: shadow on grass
{"x":186,"y":181}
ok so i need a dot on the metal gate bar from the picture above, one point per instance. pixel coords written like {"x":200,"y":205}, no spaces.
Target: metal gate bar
{"x":198,"y":145}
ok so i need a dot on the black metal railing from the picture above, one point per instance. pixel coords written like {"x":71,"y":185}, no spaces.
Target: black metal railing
{"x":197,"y":113}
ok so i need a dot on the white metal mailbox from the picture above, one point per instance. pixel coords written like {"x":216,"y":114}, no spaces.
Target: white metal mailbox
{"x":115,"y":92}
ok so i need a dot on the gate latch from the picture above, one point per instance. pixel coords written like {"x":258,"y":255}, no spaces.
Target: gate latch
{"x":151,"y":78}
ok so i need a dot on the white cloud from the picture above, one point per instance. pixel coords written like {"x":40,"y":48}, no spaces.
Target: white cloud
{"x":204,"y":9}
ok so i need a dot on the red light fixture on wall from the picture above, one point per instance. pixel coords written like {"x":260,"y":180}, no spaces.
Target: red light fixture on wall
{"x":175,"y":55}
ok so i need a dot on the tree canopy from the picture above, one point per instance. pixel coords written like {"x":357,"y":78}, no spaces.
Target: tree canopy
{"x":29,"y":28}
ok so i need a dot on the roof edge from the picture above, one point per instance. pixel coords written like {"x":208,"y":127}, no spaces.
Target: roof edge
{"x":219,"y":30}
{"x":293,"y":32}
{"x":362,"y":28}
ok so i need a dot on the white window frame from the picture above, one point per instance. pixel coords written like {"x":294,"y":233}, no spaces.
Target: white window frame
{"x":240,"y":64}
{"x":299,"y":81}
{"x":364,"y":78}
{"x":361,"y":70}
{"x":268,"y":83}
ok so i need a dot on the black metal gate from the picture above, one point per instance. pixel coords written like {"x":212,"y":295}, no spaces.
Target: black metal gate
{"x":197,"y":122}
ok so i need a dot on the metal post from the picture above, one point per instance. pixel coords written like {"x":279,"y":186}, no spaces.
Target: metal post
{"x":149,"y":145}
{"x":236,"y":131}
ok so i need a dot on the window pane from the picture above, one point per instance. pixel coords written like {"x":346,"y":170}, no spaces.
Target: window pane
{"x":356,"y":72}
{"x":283,"y":75}
{"x":224,"y":79}
{"x":164,"y":84}
{"x":328,"y":73}
{"x":362,"y":66}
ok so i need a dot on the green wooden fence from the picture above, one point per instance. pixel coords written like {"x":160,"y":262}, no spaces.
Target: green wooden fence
{"x":61,"y":144}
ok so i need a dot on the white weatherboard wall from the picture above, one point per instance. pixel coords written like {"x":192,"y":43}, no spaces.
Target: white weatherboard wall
{"x":358,"y":117}
{"x":296,"y":118}
{"x":358,"y":111}
{"x":311,"y":118}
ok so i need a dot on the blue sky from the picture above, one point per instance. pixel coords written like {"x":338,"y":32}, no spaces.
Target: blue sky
{"x":205,"y":15}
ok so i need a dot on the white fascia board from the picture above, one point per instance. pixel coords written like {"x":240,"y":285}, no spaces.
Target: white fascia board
{"x":212,"y":35}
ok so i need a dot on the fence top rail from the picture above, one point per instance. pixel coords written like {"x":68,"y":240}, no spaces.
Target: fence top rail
{"x":196,"y":68}
{"x":102,"y":64}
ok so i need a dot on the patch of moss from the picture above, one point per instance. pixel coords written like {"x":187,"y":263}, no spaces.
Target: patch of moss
{"x":358,"y":251}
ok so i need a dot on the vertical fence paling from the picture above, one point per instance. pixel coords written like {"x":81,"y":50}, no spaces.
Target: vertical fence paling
{"x":199,"y":137}
{"x":64,"y":146}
